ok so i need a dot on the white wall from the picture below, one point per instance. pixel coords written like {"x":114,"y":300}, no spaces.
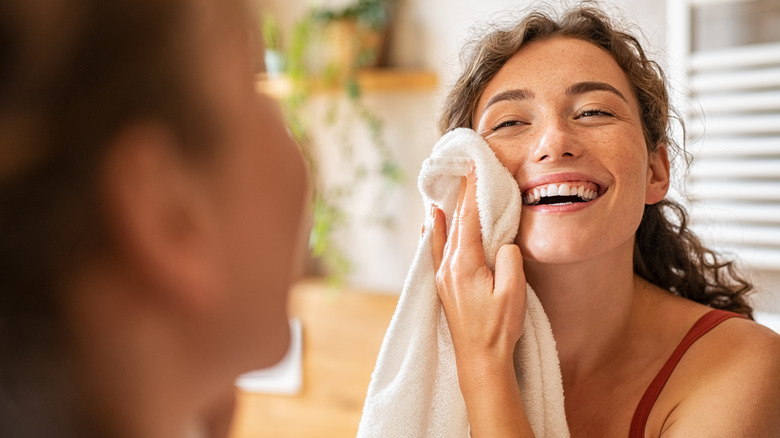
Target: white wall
{"x":432,"y":32}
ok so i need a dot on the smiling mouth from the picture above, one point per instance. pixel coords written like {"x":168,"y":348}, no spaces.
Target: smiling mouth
{"x":561,"y":194}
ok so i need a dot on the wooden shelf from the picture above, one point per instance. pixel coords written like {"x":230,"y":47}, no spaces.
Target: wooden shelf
{"x":370,"y":80}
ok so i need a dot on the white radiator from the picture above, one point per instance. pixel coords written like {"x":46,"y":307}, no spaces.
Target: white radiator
{"x":730,"y":100}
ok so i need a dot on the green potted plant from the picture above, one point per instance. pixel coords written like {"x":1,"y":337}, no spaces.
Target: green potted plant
{"x":352,"y":38}
{"x":356,"y":33}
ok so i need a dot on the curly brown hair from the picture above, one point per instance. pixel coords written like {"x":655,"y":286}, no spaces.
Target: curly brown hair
{"x":666,"y":252}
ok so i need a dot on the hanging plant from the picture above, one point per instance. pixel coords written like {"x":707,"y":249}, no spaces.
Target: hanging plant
{"x":353,"y":36}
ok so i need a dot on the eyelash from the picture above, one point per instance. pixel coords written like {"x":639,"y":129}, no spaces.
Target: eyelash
{"x":593,"y":112}
{"x":583,"y":113}
{"x":506,"y":124}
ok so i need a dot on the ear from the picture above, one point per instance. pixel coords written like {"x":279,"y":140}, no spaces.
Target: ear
{"x":657,"y":175}
{"x":158,"y":217}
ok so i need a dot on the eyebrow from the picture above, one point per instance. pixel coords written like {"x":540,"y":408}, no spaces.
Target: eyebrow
{"x":517,"y":94}
{"x":587,"y":87}
{"x":576,"y":89}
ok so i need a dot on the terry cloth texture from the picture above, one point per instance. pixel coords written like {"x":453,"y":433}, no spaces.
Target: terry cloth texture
{"x":414,"y":389}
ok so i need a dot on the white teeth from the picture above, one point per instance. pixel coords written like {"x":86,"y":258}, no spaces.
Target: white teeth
{"x":534,"y":196}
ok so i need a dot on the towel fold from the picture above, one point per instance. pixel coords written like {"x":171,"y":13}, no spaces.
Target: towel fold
{"x":414,"y":389}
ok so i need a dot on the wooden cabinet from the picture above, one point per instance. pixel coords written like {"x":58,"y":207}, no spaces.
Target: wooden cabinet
{"x":342,"y":332}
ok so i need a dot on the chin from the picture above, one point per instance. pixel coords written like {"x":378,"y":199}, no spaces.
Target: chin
{"x":275,"y":341}
{"x":551,"y":259}
{"x":557,"y":250}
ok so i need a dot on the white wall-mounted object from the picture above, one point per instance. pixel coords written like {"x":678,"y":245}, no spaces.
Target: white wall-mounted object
{"x":726,"y":72}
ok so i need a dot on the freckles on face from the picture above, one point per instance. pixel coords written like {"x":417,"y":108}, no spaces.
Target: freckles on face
{"x":561,"y":113}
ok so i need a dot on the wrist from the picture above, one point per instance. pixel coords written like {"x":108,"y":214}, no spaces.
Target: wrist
{"x":493,"y":400}
{"x":480,"y":371}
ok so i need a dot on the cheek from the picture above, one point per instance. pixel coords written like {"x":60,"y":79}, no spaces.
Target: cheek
{"x":276,"y":206}
{"x":631,"y":187}
{"x":269,"y":193}
{"x":263,"y":227}
{"x":510,"y":153}
{"x":632,"y":173}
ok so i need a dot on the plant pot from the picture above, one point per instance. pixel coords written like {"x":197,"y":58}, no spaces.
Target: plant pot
{"x":351,"y":45}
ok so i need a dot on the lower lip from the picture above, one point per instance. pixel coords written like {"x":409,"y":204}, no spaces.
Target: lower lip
{"x":562,"y":208}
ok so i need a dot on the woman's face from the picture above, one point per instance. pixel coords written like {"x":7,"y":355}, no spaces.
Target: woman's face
{"x":259,"y":196}
{"x":562,"y":117}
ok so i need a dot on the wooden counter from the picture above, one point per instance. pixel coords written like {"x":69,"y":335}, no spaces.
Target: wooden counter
{"x":342,"y":332}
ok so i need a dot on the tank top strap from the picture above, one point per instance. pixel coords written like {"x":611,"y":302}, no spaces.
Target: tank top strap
{"x":706,"y":323}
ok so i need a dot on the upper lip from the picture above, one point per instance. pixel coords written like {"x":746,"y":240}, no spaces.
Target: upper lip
{"x":563,"y":177}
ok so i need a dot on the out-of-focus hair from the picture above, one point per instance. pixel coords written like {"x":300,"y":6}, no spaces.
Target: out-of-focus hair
{"x":73,"y":74}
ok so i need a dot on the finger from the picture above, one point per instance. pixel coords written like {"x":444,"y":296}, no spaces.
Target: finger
{"x":462,"y":193}
{"x":469,"y":236}
{"x":509,"y":276}
{"x":438,"y":237}
{"x":456,"y":214}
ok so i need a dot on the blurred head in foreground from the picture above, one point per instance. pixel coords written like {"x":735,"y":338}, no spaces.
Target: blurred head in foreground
{"x":149,"y":207}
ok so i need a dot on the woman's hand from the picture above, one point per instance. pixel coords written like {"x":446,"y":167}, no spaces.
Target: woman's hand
{"x":485,"y":313}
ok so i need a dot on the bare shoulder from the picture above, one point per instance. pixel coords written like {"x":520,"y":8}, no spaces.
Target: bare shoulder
{"x":728,"y":384}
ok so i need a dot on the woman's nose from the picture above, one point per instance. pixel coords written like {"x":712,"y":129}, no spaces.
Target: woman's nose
{"x":556,"y":143}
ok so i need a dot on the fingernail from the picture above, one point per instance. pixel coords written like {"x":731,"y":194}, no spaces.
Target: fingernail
{"x":433,"y":211}
{"x":473,"y":168}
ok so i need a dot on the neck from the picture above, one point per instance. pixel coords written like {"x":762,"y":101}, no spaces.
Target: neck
{"x":590,"y":307}
{"x":136,"y":374}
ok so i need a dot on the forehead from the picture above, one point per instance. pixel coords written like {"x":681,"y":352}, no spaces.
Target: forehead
{"x":552,"y":65}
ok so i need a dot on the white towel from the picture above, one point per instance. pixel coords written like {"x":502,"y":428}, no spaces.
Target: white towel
{"x":414,"y":389}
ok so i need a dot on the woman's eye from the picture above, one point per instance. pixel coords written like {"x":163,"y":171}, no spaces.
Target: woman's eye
{"x":506,"y":124}
{"x":593,"y":113}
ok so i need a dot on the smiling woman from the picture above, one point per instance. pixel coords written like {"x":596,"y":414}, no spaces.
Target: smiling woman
{"x":640,"y":309}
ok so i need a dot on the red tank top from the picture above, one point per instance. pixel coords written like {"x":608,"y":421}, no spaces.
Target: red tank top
{"x":706,"y":323}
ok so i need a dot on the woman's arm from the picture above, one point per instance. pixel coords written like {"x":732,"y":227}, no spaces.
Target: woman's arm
{"x":485,"y":313}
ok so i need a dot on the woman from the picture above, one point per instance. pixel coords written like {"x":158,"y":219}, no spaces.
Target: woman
{"x":149,"y":202}
{"x":574,"y":109}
